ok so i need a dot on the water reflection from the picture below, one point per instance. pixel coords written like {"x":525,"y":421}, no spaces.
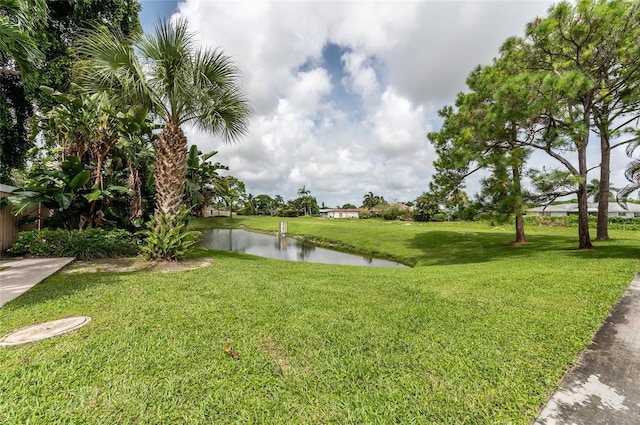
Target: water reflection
{"x":283,"y":248}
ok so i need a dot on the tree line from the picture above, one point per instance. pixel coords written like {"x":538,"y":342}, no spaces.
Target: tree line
{"x":572,"y":78}
{"x":97,"y":110}
{"x":108,"y":105}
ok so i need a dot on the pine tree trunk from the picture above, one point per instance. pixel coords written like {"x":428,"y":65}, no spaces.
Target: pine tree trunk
{"x":583,"y":219}
{"x":605,"y":175}
{"x":518,"y":207}
{"x":583,"y":197}
{"x":170,"y":169}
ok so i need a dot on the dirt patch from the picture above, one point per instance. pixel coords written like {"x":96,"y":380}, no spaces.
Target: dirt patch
{"x":125,"y":265}
{"x":277,"y":354}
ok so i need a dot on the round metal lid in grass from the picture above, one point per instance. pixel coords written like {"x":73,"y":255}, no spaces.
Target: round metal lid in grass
{"x":43,"y":330}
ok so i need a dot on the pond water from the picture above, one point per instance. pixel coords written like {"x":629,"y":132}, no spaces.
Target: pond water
{"x":290,"y":249}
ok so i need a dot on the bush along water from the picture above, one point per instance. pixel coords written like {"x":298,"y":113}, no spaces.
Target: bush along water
{"x":82,"y":244}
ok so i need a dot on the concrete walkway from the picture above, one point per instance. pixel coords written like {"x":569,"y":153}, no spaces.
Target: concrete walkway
{"x":604,"y":386}
{"x":25,"y":273}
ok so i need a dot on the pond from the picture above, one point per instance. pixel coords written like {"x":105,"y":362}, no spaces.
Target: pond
{"x":282,"y":248}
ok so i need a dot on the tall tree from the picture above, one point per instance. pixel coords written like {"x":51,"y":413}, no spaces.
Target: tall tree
{"x":71,"y":20}
{"x":230,"y":191}
{"x":548,"y":59}
{"x":563,"y":115}
{"x":265,"y":204}
{"x":370,"y":201}
{"x":596,"y":41}
{"x":486,"y":131}
{"x":36,"y":39}
{"x":201,"y":179}
{"x":19,"y":57}
{"x":614,"y":66}
{"x":179,"y":82}
{"x":427,"y":206}
{"x":304,"y":199}
{"x":15,"y":112}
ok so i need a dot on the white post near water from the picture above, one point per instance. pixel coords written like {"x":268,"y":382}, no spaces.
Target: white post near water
{"x":283,"y":229}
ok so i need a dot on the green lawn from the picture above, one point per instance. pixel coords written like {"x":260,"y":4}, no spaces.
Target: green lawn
{"x":478,"y":332}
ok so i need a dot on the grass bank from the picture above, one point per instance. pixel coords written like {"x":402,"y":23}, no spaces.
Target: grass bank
{"x":478,"y":332}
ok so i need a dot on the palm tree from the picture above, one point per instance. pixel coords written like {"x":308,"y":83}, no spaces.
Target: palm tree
{"x":179,"y":82}
{"x":304,"y":193}
{"x":18,"y":20}
{"x":593,"y":189}
{"x":370,"y":201}
{"x":632,"y":173}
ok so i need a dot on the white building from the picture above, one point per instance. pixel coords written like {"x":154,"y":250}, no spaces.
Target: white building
{"x":615,"y":210}
{"x":346,"y":212}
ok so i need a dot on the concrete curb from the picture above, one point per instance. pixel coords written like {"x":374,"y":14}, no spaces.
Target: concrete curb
{"x":604,"y":386}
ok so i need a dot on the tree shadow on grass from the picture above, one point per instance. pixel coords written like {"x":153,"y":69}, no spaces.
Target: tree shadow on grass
{"x":452,"y":248}
{"x":609,"y":249}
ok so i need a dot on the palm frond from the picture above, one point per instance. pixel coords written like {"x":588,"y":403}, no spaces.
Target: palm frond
{"x":632,"y":172}
{"x":215,"y":69}
{"x":222,"y":107}
{"x":19,"y":20}
{"x":632,"y":146}
{"x":225,"y":115}
{"x":168,"y":63}
{"x":624,"y":193}
{"x":109,"y":64}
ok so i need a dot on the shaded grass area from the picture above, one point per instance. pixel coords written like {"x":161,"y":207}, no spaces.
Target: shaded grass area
{"x":479,"y":332}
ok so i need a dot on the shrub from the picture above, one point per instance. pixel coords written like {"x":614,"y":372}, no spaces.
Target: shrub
{"x":40,"y":243}
{"x":97,"y":243}
{"x":167,"y":237}
{"x":288,"y":212}
{"x":440,"y":217}
{"x":572,"y":221}
{"x":82,"y":244}
{"x":395,"y":212}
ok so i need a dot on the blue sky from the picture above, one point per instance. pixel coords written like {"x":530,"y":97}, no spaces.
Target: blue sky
{"x":154,"y":9}
{"x":345,"y":92}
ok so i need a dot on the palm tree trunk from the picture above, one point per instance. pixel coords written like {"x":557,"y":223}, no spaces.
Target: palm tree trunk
{"x":135,"y":186}
{"x":170,"y":169}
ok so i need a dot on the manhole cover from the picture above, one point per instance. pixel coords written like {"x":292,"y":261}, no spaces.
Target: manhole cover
{"x":43,"y":330}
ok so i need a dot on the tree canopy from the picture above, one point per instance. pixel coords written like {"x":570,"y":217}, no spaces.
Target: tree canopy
{"x":573,"y":74}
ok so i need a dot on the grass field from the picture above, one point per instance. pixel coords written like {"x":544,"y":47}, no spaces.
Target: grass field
{"x":477,"y":332}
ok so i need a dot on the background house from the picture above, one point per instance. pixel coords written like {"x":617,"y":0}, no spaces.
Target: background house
{"x":10,"y":225}
{"x":559,"y":210}
{"x":346,"y":212}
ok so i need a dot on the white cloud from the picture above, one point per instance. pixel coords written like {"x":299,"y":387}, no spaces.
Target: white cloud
{"x":400,"y":62}
{"x":398,"y":126}
{"x":360,"y":76}
{"x":309,"y":89}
